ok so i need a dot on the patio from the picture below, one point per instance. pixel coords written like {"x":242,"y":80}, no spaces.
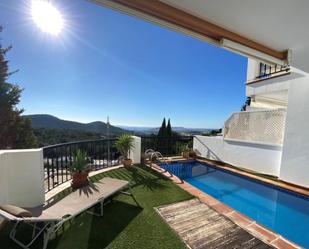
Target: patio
{"x":123,"y":225}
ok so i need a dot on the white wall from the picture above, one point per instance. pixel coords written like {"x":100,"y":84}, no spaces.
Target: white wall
{"x":295,"y":156}
{"x":22,"y":177}
{"x":135,"y":154}
{"x":260,"y":158}
{"x":266,"y":87}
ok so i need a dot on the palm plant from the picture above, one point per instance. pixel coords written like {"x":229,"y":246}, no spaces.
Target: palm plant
{"x":80,"y":162}
{"x":79,"y":169}
{"x":124,"y":144}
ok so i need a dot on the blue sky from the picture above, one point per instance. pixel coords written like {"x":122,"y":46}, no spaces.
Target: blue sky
{"x":107,"y":63}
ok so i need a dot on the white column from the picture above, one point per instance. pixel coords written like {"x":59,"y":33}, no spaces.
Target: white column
{"x":22,"y":177}
{"x":295,"y":155}
{"x":135,"y":153}
{"x":253,"y":68}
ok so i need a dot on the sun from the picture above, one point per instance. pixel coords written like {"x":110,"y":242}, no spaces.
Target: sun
{"x":47,"y":17}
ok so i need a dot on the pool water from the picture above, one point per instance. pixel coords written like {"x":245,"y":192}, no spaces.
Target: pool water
{"x":282,"y":211}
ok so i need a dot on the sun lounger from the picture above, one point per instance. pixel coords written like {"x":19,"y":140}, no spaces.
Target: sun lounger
{"x":49,"y":218}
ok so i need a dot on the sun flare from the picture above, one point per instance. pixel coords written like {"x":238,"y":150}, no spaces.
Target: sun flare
{"x":47,"y":17}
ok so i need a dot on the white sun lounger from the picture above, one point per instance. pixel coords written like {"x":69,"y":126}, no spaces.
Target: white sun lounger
{"x":49,"y":218}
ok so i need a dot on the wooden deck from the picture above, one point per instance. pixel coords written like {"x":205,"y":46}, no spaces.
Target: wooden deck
{"x":200,"y":226}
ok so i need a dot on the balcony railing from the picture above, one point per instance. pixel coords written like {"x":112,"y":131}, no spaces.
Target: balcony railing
{"x":58,"y":159}
{"x":168,"y":146}
{"x":268,"y":71}
{"x":266,"y":127}
{"x":101,"y":154}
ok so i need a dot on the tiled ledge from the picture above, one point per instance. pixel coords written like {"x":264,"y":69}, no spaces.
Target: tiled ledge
{"x":243,"y":221}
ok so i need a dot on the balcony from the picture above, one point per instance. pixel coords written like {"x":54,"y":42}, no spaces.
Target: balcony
{"x":123,"y":220}
{"x":101,"y":153}
{"x":264,"y":72}
{"x":270,"y":71}
{"x":263,"y":127}
{"x":32,"y":177}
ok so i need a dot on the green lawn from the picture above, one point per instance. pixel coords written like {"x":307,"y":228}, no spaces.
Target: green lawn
{"x":123,"y":225}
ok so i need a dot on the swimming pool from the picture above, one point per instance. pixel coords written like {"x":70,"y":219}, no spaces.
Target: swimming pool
{"x":282,"y":211}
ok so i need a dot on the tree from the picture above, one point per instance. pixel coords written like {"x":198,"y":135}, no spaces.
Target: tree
{"x":169,"y":132}
{"x":165,"y":138}
{"x":15,"y":131}
{"x":169,"y":135}
{"x":162,"y":130}
{"x":161,"y":138}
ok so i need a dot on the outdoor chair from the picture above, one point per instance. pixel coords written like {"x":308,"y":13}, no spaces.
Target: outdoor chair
{"x":48,"y":218}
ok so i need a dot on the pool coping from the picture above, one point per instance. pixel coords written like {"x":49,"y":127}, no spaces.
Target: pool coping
{"x":296,"y":189}
{"x":259,"y":231}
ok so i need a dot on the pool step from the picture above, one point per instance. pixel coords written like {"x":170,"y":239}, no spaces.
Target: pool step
{"x":200,"y":226}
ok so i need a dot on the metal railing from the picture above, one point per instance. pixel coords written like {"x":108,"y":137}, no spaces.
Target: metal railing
{"x":266,"y":126}
{"x":168,"y":146}
{"x":268,"y":71}
{"x":58,"y":159}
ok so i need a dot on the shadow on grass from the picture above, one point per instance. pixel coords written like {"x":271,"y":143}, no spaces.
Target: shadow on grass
{"x":84,"y":232}
{"x":145,"y":180}
{"x":151,"y":171}
{"x":94,"y":232}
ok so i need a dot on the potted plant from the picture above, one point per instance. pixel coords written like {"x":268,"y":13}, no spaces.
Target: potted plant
{"x":124,"y":144}
{"x":188,"y":151}
{"x":185,"y":152}
{"x":192,"y":153}
{"x":79,"y":170}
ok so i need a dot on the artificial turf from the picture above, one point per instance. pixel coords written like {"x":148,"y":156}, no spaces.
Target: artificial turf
{"x":124,"y":225}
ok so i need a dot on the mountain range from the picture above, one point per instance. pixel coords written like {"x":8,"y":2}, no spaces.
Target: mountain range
{"x":51,"y":122}
{"x":46,"y":121}
{"x":154,"y":130}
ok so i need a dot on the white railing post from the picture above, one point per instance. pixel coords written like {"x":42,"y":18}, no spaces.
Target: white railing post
{"x":135,"y":153}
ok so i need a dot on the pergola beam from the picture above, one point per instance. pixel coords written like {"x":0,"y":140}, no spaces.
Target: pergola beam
{"x":185,"y":21}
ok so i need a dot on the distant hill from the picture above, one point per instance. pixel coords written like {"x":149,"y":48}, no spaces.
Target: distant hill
{"x":46,"y":121}
{"x":52,"y":130}
{"x":154,"y":130}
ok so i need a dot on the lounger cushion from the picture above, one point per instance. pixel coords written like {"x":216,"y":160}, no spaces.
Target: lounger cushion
{"x":16,"y":211}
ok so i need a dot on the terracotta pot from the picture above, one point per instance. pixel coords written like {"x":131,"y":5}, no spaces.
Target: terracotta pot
{"x":127,"y":162}
{"x":186,"y":154}
{"x":80,"y":179}
{"x":192,"y":154}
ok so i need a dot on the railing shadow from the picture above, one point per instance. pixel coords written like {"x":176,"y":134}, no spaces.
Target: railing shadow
{"x":150,"y":183}
{"x":210,"y":153}
{"x":92,"y":232}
